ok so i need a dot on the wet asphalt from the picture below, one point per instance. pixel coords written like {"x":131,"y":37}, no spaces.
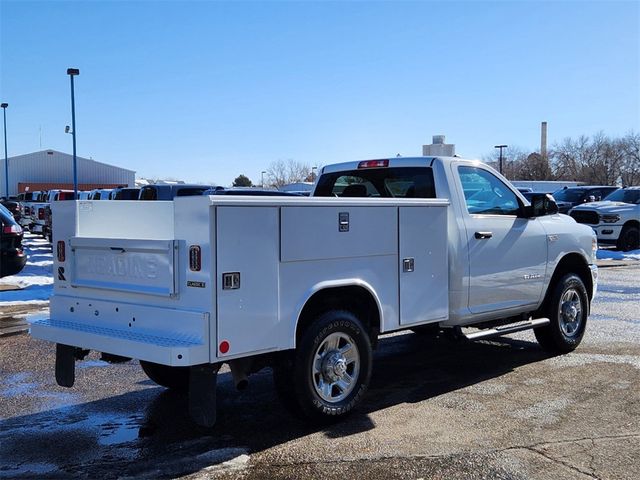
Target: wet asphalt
{"x":435,"y":409}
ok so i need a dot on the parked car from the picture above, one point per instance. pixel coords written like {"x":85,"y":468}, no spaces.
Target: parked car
{"x":100,"y":194}
{"x":567,"y":198}
{"x":54,"y":196}
{"x":26,"y":200}
{"x":12,"y":257}
{"x":37,"y":212}
{"x":169,"y":192}
{"x":125,"y":194}
{"x":616,"y":220}
{"x":14,"y":207}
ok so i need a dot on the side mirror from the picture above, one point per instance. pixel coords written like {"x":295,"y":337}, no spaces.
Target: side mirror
{"x":541,"y":204}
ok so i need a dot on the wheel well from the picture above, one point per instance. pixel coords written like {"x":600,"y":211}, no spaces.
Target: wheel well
{"x":572,"y":263}
{"x":358,"y":300}
{"x":631,"y":223}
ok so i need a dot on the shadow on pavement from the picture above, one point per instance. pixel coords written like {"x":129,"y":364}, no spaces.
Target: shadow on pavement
{"x":148,"y":432}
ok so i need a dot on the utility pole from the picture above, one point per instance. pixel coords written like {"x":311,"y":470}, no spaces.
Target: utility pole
{"x":6,"y":159}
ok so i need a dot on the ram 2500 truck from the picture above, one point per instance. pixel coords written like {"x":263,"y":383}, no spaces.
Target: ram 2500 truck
{"x":616,"y":220}
{"x":306,"y":285}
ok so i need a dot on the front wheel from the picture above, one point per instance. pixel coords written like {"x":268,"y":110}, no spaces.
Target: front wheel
{"x":174,"y":378}
{"x":629,"y":239}
{"x":567,"y":308}
{"x":328,"y":374}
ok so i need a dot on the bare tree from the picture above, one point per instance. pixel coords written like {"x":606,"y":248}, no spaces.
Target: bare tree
{"x":630,"y":171}
{"x":281,"y":173}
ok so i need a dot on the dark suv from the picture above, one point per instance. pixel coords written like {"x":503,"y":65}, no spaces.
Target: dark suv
{"x":12,"y":257}
{"x":567,"y":198}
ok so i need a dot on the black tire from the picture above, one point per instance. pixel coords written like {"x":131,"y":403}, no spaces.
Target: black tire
{"x":563,"y":335}
{"x":301,"y":389}
{"x":174,"y":378}
{"x":629,"y":239}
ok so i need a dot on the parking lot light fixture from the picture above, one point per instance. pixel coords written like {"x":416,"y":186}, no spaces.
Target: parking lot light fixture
{"x":72,"y":72}
{"x":501,"y":147}
{"x":6,"y":159}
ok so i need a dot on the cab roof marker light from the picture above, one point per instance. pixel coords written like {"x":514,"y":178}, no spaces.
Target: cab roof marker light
{"x":373,"y":163}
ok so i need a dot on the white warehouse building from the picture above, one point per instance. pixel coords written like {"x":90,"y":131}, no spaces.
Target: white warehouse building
{"x":50,"y":169}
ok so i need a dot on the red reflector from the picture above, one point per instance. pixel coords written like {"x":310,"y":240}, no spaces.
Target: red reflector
{"x":61,"y":251}
{"x":41,"y":214}
{"x":195,"y":258}
{"x":373,"y":164}
{"x":224,"y":346}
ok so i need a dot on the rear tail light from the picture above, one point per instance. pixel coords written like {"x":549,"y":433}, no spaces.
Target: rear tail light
{"x":61,"y":251}
{"x":12,"y":229}
{"x":195,"y":258}
{"x":373,"y":164}
{"x":27,"y":211}
{"x":41,"y":214}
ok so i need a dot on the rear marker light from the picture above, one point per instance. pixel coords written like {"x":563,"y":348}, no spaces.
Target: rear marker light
{"x":61,"y":251}
{"x":195,"y":258}
{"x":373,"y":164}
{"x":224,"y":346}
{"x":12,"y":229}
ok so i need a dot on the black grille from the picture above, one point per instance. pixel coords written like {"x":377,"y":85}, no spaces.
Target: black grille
{"x":585,"y":216}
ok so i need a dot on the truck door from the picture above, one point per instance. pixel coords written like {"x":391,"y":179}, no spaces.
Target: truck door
{"x":507,"y":254}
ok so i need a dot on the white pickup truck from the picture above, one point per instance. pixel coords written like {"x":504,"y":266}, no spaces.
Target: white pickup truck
{"x":307,"y":285}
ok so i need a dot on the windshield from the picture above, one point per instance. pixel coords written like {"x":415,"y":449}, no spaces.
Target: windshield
{"x":625,"y":195}
{"x":573,"y":195}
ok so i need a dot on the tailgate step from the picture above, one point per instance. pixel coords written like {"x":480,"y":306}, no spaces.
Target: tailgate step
{"x":178,"y":350}
{"x":506,"y":329}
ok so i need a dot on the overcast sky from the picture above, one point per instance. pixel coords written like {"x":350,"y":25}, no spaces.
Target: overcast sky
{"x":204,"y":91}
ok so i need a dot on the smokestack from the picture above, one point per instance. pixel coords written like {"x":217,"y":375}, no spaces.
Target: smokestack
{"x":543,"y":141}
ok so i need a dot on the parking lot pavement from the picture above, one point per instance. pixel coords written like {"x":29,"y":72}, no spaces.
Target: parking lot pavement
{"x":435,"y":409}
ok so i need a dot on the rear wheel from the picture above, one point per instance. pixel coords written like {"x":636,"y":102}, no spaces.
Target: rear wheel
{"x":328,"y":374}
{"x":567,"y":308}
{"x":175,"y":378}
{"x":629,"y":238}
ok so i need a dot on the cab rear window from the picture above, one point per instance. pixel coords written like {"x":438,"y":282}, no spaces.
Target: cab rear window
{"x":403,"y":182}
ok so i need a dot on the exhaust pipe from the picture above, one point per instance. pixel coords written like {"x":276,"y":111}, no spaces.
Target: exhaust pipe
{"x":239,"y":371}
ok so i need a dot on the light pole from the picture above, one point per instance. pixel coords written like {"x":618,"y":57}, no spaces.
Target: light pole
{"x":72,"y":72}
{"x":6,"y":159}
{"x":262,"y":176}
{"x":501,"y":147}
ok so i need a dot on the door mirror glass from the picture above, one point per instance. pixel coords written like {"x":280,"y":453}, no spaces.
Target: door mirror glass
{"x":541,"y":204}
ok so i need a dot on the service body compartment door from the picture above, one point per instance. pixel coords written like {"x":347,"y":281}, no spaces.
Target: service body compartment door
{"x":129,"y":265}
{"x":248,"y":259}
{"x":424,"y":266}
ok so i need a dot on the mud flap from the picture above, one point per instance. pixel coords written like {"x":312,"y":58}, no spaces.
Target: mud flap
{"x":202,"y":394}
{"x":65,"y":365}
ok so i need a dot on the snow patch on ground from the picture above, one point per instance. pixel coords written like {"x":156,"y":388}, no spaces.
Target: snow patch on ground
{"x":606,"y":254}
{"x":35,"y":280}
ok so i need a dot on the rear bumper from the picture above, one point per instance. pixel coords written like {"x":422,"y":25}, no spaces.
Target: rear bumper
{"x":159,"y":335}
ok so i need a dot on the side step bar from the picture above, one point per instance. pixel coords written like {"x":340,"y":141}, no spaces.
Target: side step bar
{"x":505,"y":329}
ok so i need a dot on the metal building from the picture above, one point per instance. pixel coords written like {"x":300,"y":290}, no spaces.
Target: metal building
{"x":50,"y":169}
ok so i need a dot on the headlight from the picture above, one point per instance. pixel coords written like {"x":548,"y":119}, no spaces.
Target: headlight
{"x":610,"y":218}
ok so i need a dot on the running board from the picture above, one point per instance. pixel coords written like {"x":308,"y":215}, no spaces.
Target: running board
{"x":506,"y":329}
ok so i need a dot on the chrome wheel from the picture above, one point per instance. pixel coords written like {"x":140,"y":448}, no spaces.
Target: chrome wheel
{"x":570,"y":312}
{"x":335,"y":367}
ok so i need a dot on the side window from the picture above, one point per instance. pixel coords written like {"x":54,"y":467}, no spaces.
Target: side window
{"x":486,"y":194}
{"x":148,"y":194}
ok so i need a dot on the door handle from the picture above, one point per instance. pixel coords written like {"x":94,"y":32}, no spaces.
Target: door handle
{"x":483,"y":235}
